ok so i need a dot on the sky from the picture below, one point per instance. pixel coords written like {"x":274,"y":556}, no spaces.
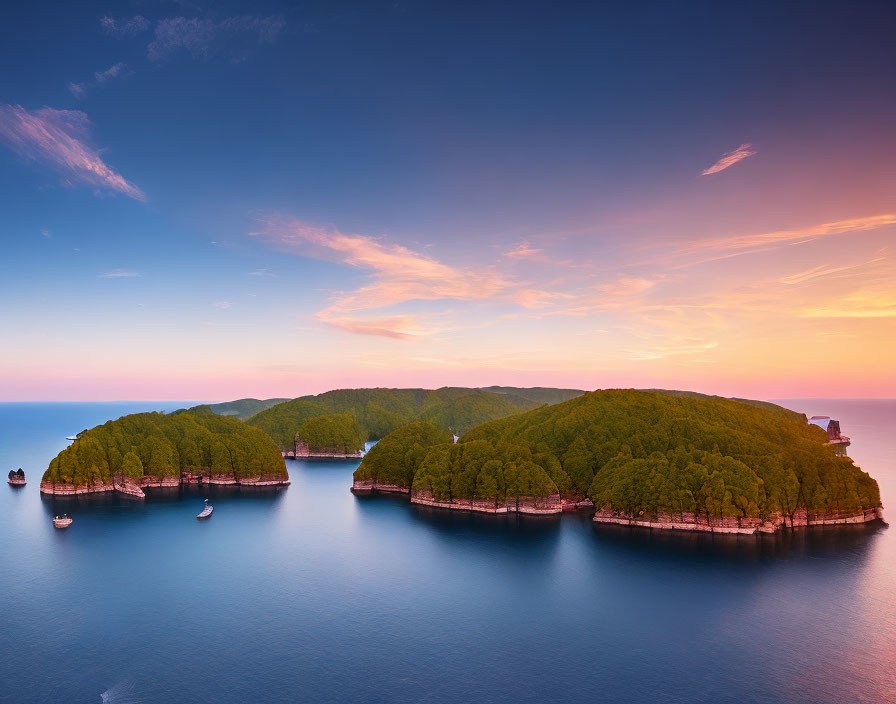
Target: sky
{"x":209,"y":201}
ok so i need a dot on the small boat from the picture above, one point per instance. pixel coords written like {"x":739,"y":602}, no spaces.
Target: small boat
{"x":71,"y":437}
{"x":62,"y":521}
{"x":16,"y":477}
{"x":206,"y":510}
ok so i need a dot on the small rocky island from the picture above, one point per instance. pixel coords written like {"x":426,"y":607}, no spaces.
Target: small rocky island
{"x":165,"y":450}
{"x":671,"y":460}
{"x":16,"y":477}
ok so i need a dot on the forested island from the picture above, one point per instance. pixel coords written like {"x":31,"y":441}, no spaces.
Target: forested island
{"x":158,"y":450}
{"x":338,"y":423}
{"x":651,"y":458}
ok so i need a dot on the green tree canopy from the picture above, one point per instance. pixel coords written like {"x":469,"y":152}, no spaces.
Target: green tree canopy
{"x":159,"y":445}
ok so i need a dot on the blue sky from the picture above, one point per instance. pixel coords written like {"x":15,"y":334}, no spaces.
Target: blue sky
{"x":214,"y":200}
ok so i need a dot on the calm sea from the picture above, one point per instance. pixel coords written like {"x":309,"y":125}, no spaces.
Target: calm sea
{"x":310,"y":594}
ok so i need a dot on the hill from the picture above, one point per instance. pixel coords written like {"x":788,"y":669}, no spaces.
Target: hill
{"x":244,"y":407}
{"x":535,"y":394}
{"x":376,"y":412}
{"x":155,"y":449}
{"x":644,"y":457}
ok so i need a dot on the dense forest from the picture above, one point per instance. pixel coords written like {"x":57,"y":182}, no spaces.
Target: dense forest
{"x":641,"y":454}
{"x":242,"y":408}
{"x":395,"y":459}
{"x":377,"y":412}
{"x":535,"y":394}
{"x":163,"y":446}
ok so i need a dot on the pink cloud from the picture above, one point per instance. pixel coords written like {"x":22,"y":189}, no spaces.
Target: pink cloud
{"x":770,"y":240}
{"x":628,"y":286}
{"x":399,"y":275}
{"x":522,"y":250}
{"x":59,"y":138}
{"x":399,"y":327}
{"x":729,"y":159}
{"x":534,"y":298}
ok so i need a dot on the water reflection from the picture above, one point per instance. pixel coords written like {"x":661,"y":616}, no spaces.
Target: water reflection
{"x":55,"y":504}
{"x":811,"y":542}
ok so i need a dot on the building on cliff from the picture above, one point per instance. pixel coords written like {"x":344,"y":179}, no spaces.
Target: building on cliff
{"x":832,"y":428}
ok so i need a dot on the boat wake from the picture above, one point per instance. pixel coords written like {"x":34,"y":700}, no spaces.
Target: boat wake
{"x":121,"y":693}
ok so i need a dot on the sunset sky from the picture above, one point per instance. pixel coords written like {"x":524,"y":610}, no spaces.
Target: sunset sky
{"x":207,"y":201}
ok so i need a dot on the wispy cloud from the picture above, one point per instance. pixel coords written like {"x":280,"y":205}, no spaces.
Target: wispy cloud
{"x":399,"y":275}
{"x":120,"y":274}
{"x":124,"y":28}
{"x":868,"y":303}
{"x":60,"y":138}
{"x":398,"y":327}
{"x":538,"y":298}
{"x":80,"y":90}
{"x":729,"y":159}
{"x":827,"y":270}
{"x":522,"y":250}
{"x":628,"y":285}
{"x":202,"y":37}
{"x":263,"y":273}
{"x":741,"y":244}
{"x":46,"y":233}
{"x":222,"y":305}
{"x":673,"y":348}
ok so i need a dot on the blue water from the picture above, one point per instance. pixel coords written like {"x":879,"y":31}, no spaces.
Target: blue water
{"x":310,"y":594}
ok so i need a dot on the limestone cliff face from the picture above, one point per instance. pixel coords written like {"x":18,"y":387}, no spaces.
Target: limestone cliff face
{"x":524,"y":504}
{"x":62,"y":489}
{"x":370,"y":486}
{"x":527,"y":504}
{"x":132,"y":487}
{"x":741,"y":525}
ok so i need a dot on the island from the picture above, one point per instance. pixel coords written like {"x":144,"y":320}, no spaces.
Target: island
{"x":165,"y":450}
{"x":657,"y":459}
{"x":336,"y":424}
{"x":16,"y":477}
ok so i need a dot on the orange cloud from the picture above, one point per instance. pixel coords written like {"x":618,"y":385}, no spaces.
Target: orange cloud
{"x":399,"y":275}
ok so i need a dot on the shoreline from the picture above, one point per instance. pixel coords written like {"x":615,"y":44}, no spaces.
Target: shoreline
{"x":131,"y":488}
{"x":292,"y":455}
{"x":554,"y":504}
{"x":742,"y":526}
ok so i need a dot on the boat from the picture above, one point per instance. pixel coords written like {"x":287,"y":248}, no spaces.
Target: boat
{"x":206,"y":510}
{"x":62,"y":521}
{"x":71,"y":438}
{"x":16,"y":477}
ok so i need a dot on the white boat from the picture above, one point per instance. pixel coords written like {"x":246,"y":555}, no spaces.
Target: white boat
{"x":71,"y":437}
{"x":206,"y":510}
{"x":62,"y":521}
